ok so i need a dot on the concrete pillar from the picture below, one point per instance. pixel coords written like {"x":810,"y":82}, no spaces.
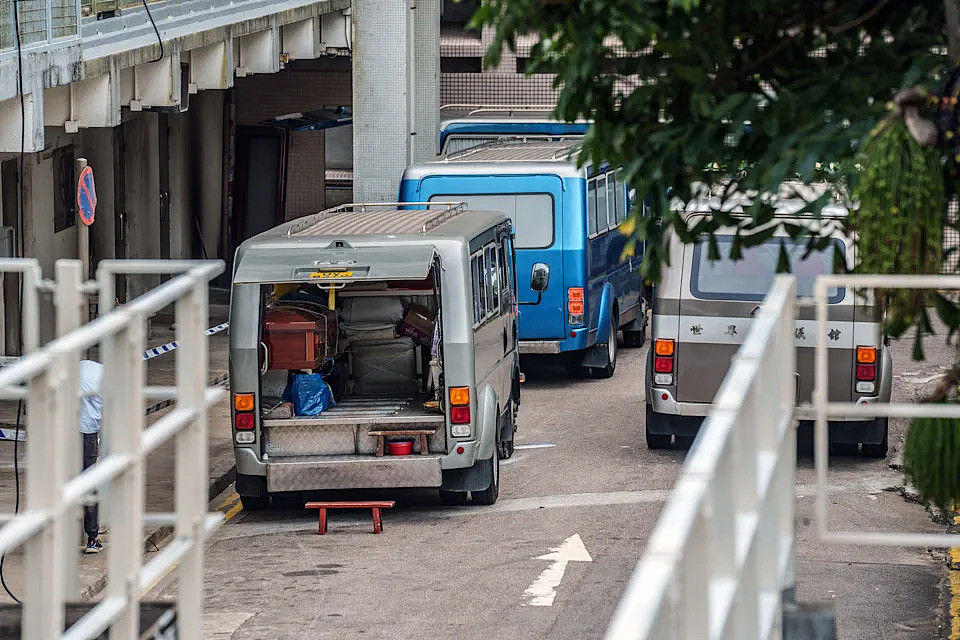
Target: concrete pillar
{"x":395,"y":92}
{"x":426,"y":141}
{"x":208,"y":140}
{"x":142,"y":224}
{"x":381,"y":97}
{"x":182,"y":201}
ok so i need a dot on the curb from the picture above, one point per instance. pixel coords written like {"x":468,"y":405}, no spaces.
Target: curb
{"x":161,"y":535}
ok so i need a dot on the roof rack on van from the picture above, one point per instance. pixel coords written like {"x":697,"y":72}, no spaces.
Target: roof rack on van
{"x":351,"y":215}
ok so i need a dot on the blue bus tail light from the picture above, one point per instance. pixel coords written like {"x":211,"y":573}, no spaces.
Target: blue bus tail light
{"x":575,"y":305}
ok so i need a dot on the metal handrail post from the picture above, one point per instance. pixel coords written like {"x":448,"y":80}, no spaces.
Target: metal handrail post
{"x":43,"y":598}
{"x":191,"y":458}
{"x":123,"y":426}
{"x":68,"y":299}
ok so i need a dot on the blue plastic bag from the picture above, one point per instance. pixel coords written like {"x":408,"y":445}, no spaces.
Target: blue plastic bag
{"x":309,"y":393}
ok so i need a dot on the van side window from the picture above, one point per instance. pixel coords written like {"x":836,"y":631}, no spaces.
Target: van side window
{"x":479,"y":289}
{"x":591,"y":207}
{"x":493,"y":280}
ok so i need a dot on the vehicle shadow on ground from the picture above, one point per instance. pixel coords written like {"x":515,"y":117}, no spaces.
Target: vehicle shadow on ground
{"x":548,"y":372}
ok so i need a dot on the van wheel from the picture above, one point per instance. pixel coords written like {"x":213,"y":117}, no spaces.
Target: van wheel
{"x":489,"y":495}
{"x":607,"y":371}
{"x":453,"y":498}
{"x":505,"y":449}
{"x":877,"y":450}
{"x":255,"y":503}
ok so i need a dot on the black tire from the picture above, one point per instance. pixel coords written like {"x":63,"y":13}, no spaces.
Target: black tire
{"x":453,"y":498}
{"x":607,"y":371}
{"x":878,"y":450}
{"x":489,"y":495}
{"x":684,"y":442}
{"x":655,"y":440}
{"x":506,"y":445}
{"x":255,"y":503}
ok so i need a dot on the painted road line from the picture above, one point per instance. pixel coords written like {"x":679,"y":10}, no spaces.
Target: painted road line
{"x":869,"y":485}
{"x":539,"y":445}
{"x":229,"y":508}
{"x":544,"y":589}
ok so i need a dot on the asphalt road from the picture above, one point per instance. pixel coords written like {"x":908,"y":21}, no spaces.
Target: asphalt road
{"x":586,"y":477}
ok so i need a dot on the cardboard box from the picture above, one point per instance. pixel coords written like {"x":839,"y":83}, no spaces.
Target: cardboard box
{"x":418,"y":324}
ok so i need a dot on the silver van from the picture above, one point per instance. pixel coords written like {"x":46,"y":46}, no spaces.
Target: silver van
{"x":409,"y":317}
{"x":702,"y":310}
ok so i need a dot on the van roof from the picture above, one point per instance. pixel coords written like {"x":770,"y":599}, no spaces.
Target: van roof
{"x":788,"y":203}
{"x":559,"y":158}
{"x":387,"y":221}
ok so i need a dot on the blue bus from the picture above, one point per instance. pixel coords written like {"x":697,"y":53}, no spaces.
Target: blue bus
{"x":563,"y":217}
{"x":482,"y":126}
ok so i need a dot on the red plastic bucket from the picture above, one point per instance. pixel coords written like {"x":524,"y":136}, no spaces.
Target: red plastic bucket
{"x":400,"y":447}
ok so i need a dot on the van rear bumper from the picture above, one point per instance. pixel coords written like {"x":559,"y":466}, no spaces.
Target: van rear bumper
{"x":316,"y":473}
{"x":580,"y":339}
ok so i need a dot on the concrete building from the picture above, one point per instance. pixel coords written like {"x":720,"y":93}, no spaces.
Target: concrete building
{"x":205,"y":121}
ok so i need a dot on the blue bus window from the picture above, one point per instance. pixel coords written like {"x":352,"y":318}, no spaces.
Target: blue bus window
{"x":621,"y":199}
{"x":601,"y":204}
{"x":591,"y":207}
{"x":611,"y":200}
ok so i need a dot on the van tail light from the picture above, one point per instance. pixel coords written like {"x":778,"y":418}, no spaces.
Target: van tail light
{"x":866,"y":372}
{"x":866,"y":355}
{"x":243,"y":401}
{"x":459,"y":396}
{"x":575,"y":305}
{"x":663,"y":350}
{"x":663,"y":347}
{"x":460,"y":415}
{"x":244,"y":421}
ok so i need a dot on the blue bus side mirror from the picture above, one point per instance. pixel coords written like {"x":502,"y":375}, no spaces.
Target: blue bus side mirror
{"x":539,"y":277}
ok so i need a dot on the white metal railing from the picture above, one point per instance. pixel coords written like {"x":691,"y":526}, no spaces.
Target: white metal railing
{"x":55,"y":489}
{"x":721,"y":555}
{"x":41,"y":21}
{"x":824,"y":409}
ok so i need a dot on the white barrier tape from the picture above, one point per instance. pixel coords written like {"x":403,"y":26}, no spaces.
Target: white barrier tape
{"x":172,"y":346}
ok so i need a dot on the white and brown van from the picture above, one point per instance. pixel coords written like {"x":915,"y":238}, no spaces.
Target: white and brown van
{"x":702,"y":310}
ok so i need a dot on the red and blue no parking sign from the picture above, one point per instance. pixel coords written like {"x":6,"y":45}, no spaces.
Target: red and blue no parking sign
{"x":86,"y":196}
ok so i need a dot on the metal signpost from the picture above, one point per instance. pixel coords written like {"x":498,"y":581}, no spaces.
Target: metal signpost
{"x":86,"y":209}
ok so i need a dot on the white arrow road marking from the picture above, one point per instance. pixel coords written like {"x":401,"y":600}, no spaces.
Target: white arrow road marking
{"x":544,"y":589}
{"x":539,"y":445}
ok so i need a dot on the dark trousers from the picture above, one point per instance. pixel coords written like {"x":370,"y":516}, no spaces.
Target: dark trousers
{"x":91,"y":515}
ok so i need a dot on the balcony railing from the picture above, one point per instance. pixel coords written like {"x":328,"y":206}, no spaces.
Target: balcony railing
{"x":41,"y":22}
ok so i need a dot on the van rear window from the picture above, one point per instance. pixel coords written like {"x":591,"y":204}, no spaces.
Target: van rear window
{"x":531,"y":214}
{"x":751,"y":278}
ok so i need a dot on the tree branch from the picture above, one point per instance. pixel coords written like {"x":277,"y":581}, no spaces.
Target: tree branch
{"x":856,"y":22}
